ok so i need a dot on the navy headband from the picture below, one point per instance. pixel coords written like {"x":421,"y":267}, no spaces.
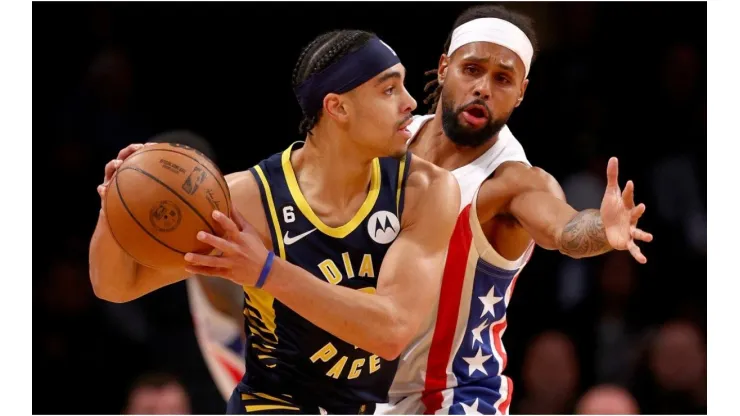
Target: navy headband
{"x":350,"y":71}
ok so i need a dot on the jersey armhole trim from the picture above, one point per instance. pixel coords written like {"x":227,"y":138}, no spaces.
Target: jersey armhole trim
{"x":484,"y":247}
{"x":269,"y":204}
{"x":403,"y":173}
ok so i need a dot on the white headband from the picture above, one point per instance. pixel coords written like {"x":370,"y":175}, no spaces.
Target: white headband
{"x":496,"y":31}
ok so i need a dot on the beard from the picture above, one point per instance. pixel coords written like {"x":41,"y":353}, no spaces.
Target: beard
{"x":466,"y":136}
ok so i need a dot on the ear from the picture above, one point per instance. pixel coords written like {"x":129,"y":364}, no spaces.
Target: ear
{"x":334,"y":107}
{"x":444,"y":63}
{"x":521,"y":94}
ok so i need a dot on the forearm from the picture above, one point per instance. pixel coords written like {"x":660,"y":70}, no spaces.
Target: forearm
{"x":367,"y":321}
{"x":115,"y":276}
{"x":112,"y":271}
{"x":555,"y":225}
{"x":584,"y":235}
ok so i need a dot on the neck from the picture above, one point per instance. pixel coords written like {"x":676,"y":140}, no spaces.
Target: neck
{"x":330,"y":167}
{"x":433,"y":145}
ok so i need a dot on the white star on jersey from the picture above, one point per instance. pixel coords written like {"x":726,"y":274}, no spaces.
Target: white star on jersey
{"x":476,"y":333}
{"x":471,"y":410}
{"x":476,"y":363}
{"x":488,"y":301}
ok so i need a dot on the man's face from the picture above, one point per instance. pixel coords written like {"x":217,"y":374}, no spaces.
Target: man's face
{"x":482,"y":83}
{"x":379,"y":111}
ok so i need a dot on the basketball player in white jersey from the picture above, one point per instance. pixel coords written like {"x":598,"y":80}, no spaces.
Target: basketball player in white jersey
{"x":455,"y":365}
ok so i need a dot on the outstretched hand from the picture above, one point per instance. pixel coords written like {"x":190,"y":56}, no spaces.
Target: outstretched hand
{"x":242,"y":252}
{"x":620,"y":215}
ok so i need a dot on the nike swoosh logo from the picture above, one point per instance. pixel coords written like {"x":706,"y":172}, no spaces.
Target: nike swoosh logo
{"x":288,"y":240}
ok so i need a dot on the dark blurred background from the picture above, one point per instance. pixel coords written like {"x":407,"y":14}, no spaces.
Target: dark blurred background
{"x":613,"y":79}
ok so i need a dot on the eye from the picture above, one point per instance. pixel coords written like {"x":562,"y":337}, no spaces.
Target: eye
{"x":390,"y":90}
{"x":503,"y":79}
{"x":471,"y":69}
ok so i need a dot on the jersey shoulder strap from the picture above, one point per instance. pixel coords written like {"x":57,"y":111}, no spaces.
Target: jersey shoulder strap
{"x":395,"y":176}
{"x":268,"y":174}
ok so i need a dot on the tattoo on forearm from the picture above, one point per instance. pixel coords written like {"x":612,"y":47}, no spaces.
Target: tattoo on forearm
{"x":584,"y":235}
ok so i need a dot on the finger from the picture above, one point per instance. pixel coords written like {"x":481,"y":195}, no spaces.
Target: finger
{"x":612,"y":173}
{"x":637,"y":213}
{"x":209,"y":271}
{"x":227,"y":223}
{"x":101,"y":191}
{"x":628,"y":195}
{"x":208,"y":261}
{"x":150,"y":143}
{"x":129,"y":150}
{"x":638,"y":234}
{"x":110,"y":169}
{"x":636,"y":252}
{"x":217,"y":242}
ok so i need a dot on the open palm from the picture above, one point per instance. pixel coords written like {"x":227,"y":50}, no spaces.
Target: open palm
{"x":620,"y":215}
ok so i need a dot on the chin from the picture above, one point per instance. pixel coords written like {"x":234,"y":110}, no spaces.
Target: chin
{"x":399,"y":151}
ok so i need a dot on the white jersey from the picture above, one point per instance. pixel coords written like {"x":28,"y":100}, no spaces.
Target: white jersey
{"x":455,"y":364}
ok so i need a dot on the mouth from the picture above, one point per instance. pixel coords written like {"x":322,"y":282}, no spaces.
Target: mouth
{"x":475,"y":115}
{"x":404,"y":130}
{"x":477,"y":110}
{"x":406,"y":123}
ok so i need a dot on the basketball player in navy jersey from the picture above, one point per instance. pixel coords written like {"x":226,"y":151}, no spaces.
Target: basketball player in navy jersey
{"x":327,"y":234}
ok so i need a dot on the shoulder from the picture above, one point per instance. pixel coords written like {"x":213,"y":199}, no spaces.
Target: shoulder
{"x":430,"y":187}
{"x":242,"y":186}
{"x":425,"y":176}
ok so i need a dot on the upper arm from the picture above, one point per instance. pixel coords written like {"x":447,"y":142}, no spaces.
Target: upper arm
{"x":540,"y":207}
{"x":411,"y":271}
{"x":509,"y":182}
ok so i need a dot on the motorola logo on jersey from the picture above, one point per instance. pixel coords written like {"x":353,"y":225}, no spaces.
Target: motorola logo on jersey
{"x":383,"y":227}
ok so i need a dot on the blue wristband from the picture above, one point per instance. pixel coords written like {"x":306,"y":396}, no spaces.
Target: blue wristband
{"x":265,"y":270}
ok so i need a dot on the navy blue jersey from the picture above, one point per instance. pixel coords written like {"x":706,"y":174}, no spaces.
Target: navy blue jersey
{"x":287,"y":352}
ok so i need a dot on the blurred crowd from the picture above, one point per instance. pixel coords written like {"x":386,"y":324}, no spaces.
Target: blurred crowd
{"x":595,"y":336}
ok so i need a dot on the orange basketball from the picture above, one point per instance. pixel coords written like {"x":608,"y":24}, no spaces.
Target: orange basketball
{"x":158,"y":201}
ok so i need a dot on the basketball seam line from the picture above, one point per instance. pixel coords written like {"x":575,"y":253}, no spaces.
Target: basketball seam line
{"x":176,"y":194}
{"x":224,"y":191}
{"x":120,"y":195}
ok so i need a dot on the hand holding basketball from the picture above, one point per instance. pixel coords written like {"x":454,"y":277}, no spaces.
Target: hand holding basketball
{"x":157,"y":197}
{"x":112,"y":166}
{"x":243,"y":256}
{"x":619,"y":214}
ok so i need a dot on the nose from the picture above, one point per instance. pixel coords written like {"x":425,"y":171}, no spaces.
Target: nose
{"x":482,"y":89}
{"x":409,"y":103}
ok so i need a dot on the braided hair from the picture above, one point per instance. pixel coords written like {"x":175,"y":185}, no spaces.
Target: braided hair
{"x":477,"y":12}
{"x":325,"y":50}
